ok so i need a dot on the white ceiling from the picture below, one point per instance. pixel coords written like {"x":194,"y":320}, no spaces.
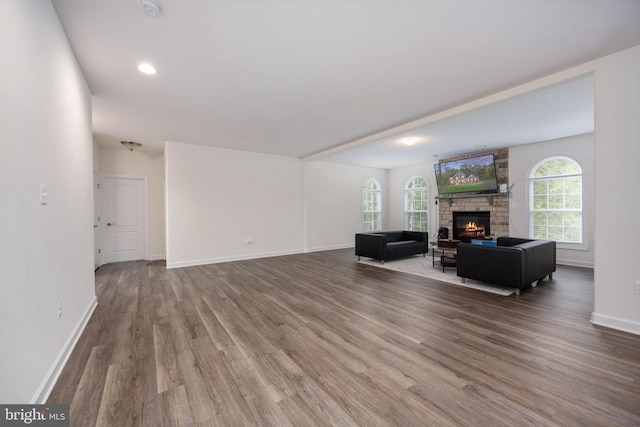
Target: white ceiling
{"x":298,"y":78}
{"x":553,"y":112}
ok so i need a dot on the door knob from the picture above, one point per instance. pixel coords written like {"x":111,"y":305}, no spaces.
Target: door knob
{"x":110,"y":224}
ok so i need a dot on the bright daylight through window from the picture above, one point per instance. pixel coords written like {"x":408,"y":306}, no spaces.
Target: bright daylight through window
{"x":371,"y":206}
{"x":555,"y":201}
{"x":416,"y":204}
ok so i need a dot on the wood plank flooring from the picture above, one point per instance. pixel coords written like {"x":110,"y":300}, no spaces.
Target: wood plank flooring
{"x":320,"y":340}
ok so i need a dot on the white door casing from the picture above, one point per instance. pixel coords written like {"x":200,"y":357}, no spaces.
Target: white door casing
{"x":96,"y":221}
{"x":124,"y":218}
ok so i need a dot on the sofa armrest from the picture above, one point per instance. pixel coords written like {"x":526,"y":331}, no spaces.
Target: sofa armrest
{"x":502,"y":265}
{"x":419,"y":236}
{"x":540,"y":259}
{"x":371,"y":245}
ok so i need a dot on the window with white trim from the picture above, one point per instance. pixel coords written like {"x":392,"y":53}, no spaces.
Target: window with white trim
{"x":371,"y":205}
{"x":416,"y":204}
{"x":555,"y":201}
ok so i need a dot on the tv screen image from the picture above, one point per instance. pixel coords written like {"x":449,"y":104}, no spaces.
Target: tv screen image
{"x":475,"y":174}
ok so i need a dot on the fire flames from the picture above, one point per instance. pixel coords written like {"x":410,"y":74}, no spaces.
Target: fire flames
{"x":473,"y":228}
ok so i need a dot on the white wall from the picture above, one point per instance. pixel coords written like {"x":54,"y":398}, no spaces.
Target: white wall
{"x":139,"y":163}
{"x":96,"y":157}
{"x":46,"y":251}
{"x":218,"y":198}
{"x":333,"y":203}
{"x":523,"y":159}
{"x":617,"y":154}
{"x":397,"y":180}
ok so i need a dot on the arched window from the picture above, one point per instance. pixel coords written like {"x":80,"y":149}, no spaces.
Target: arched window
{"x":416,"y":204}
{"x":371,"y":206}
{"x":555,"y":200}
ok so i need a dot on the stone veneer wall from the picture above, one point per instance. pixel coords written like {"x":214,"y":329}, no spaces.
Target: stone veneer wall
{"x":499,"y":211}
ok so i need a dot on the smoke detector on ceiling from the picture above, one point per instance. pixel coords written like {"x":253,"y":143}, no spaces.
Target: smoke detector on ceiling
{"x":149,"y":7}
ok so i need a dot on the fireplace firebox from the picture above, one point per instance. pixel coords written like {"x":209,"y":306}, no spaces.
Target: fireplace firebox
{"x":471,"y":225}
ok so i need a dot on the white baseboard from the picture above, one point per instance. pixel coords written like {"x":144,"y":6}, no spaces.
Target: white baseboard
{"x":43,"y":392}
{"x":192,"y":263}
{"x":329,"y":248}
{"x":155,"y":257}
{"x":574,"y":263}
{"x":623,"y":325}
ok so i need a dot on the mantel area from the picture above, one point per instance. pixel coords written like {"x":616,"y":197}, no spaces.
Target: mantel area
{"x":451,"y":197}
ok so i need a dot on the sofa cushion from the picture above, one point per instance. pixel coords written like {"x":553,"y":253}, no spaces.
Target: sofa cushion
{"x":393,"y":236}
{"x":401,"y":242}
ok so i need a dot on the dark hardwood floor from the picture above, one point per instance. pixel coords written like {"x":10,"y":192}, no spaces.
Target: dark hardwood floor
{"x":318,"y":339}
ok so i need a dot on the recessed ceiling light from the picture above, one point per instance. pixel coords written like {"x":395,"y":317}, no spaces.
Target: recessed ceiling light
{"x":147,"y":68}
{"x":409,"y":140}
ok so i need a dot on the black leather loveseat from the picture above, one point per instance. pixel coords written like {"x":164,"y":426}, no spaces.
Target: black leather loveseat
{"x":514,"y":262}
{"x":387,"y":245}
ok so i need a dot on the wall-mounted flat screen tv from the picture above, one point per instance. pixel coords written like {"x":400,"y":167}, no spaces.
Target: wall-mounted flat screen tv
{"x":475,"y":174}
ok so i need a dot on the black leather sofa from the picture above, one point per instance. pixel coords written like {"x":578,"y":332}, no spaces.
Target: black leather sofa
{"x":387,"y":245}
{"x":514,"y":262}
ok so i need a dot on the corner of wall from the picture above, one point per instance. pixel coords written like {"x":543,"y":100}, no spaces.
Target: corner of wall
{"x":617,"y":323}
{"x":43,"y":392}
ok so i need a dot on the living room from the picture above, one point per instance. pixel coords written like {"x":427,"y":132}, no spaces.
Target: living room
{"x":224,"y":204}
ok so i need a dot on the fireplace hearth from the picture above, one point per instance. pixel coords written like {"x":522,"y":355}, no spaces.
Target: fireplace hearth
{"x":471,"y":225}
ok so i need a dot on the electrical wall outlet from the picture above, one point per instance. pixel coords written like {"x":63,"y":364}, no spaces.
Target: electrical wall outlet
{"x":59,"y":309}
{"x":638,"y":287}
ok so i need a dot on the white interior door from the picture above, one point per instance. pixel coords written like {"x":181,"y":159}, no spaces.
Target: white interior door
{"x":96,"y":221}
{"x":124,"y":218}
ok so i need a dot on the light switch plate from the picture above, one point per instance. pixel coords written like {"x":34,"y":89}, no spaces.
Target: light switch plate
{"x":44,"y":194}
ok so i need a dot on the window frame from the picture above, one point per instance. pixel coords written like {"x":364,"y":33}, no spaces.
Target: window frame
{"x":531,"y":180}
{"x":377,"y":193}
{"x":408,"y":212}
